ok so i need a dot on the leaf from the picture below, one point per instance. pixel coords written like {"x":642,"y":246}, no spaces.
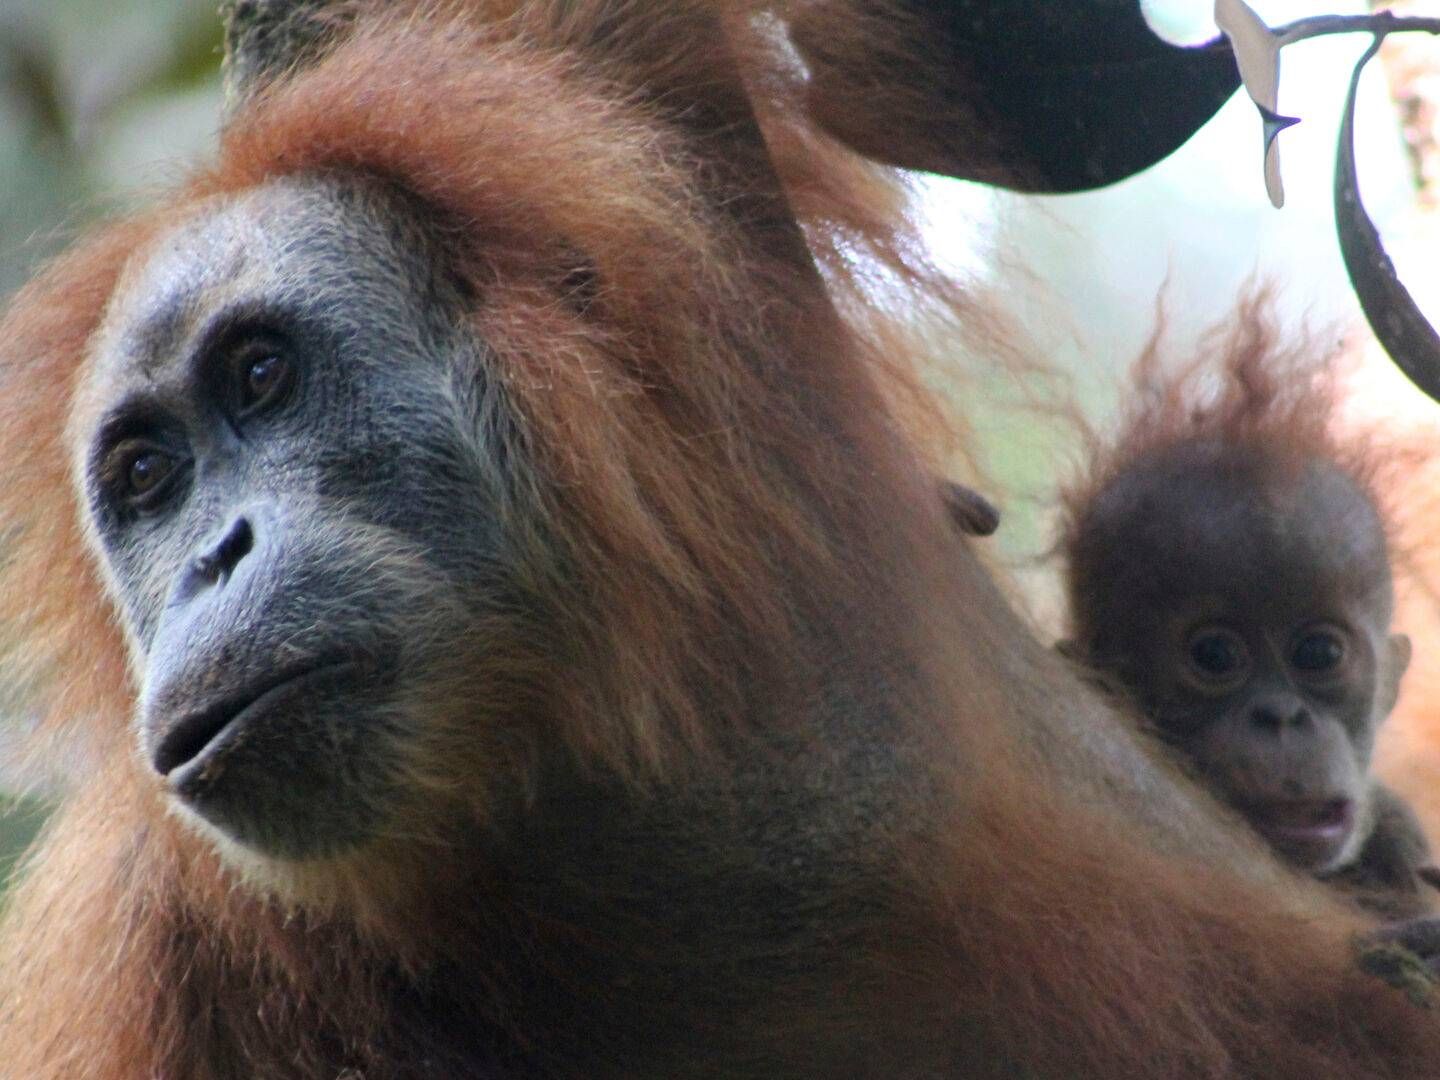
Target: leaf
{"x":1035,"y":96}
{"x":1389,"y":308}
{"x":1257,"y":54}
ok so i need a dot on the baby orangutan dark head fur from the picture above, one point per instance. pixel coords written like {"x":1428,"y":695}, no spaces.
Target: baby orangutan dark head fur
{"x":1228,"y":568}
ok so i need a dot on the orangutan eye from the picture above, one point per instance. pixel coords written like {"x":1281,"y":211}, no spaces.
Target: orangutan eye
{"x":1217,"y":655}
{"x":1318,"y":652}
{"x":264,"y":376}
{"x":141,"y":474}
{"x":148,"y":470}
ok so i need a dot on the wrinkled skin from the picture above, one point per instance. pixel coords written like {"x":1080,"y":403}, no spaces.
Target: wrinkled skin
{"x":293,"y":520}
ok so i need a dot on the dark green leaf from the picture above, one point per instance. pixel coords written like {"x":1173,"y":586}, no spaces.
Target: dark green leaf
{"x":1032,"y":95}
{"x":1392,"y":313}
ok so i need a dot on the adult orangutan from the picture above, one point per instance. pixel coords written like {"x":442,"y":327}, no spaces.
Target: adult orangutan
{"x":474,"y":548}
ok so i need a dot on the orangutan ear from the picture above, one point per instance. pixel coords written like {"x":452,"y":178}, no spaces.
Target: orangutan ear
{"x":1394,"y":662}
{"x":1038,"y":97}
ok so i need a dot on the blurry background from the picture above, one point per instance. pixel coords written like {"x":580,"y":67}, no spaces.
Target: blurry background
{"x":97,"y":99}
{"x":1084,"y":273}
{"x":101,"y":100}
{"x":95,"y":95}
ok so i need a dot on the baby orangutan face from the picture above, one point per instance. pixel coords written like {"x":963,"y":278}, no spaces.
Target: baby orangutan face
{"x":1245,"y":602}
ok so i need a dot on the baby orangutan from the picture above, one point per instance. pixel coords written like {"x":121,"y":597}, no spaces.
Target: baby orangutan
{"x":1228,"y":570}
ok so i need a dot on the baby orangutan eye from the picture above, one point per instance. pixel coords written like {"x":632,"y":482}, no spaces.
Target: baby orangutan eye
{"x":1318,"y":652}
{"x":1217,"y":655}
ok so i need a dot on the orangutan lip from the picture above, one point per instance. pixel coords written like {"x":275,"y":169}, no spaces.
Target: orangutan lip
{"x":207,"y":729}
{"x":1305,"y":821}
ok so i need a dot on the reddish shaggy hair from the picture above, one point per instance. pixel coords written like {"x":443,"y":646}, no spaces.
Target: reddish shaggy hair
{"x":702,"y":477}
{"x":1248,"y":385}
{"x":529,"y":163}
{"x":752,"y":524}
{"x":1249,"y":393}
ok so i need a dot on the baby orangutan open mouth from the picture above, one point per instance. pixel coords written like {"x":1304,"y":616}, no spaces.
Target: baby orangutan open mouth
{"x":1229,"y":572}
{"x":1311,"y":833}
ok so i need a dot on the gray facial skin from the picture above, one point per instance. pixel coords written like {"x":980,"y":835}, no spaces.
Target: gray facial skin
{"x":284,"y":459}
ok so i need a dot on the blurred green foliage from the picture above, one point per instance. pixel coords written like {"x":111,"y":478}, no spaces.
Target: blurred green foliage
{"x":96,"y":97}
{"x":20,"y":820}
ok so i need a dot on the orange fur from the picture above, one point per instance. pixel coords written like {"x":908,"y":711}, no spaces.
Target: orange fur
{"x":1244,"y":385}
{"x":741,"y":481}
